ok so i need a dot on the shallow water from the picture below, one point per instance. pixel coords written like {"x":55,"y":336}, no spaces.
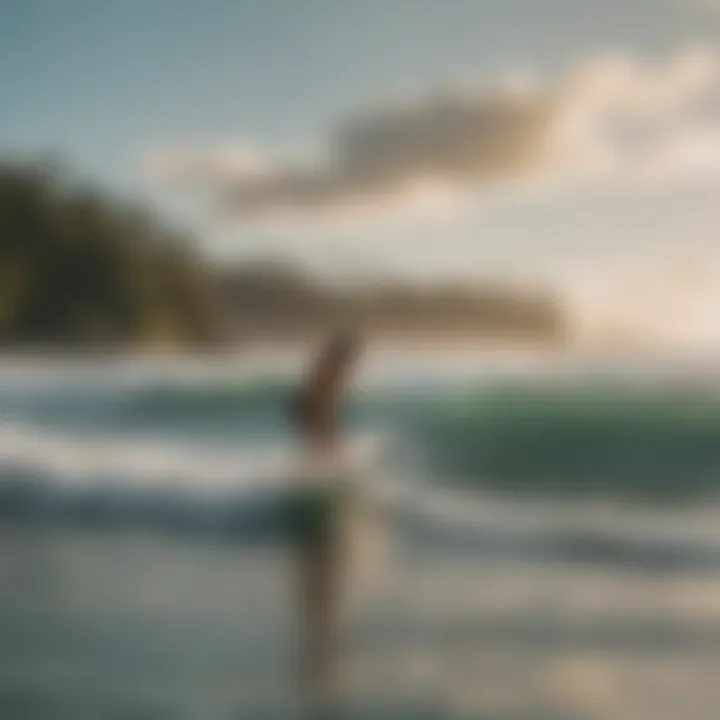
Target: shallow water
{"x":130,"y":586}
{"x":139,"y":626}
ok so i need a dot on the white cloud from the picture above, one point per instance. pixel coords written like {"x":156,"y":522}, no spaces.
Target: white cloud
{"x":210,"y":167}
{"x":613,"y":117}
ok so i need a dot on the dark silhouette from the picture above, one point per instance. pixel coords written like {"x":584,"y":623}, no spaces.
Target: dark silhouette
{"x":317,"y":516}
{"x":80,"y":270}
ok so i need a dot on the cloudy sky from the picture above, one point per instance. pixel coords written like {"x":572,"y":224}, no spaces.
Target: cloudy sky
{"x":565,"y":141}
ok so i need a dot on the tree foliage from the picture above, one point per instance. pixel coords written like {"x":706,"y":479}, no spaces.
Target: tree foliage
{"x":77,"y":268}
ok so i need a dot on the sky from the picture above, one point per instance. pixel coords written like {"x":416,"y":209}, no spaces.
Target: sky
{"x":572,"y":143}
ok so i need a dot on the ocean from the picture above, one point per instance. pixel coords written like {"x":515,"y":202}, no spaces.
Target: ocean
{"x":550,"y":524}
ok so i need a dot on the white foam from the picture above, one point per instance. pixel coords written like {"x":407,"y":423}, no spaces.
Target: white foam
{"x":77,"y":460}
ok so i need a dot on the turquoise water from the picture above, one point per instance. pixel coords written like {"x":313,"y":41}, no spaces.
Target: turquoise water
{"x":554,"y":551}
{"x":607,"y":442}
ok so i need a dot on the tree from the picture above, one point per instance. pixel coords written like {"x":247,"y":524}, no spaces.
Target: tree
{"x":77,"y":268}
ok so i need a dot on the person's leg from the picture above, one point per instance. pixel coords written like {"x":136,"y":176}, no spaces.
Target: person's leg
{"x":329,"y":620}
{"x":321,"y":619}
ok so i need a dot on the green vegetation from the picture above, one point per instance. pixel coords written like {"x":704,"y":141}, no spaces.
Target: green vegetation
{"x":267,"y":299}
{"x":77,"y":269}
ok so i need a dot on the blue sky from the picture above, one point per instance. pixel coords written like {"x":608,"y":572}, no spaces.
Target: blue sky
{"x":99,"y":80}
{"x":107,"y":83}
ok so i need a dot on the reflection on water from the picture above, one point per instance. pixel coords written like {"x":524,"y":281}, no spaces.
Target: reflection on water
{"x":136,"y":625}
{"x":128,"y":587}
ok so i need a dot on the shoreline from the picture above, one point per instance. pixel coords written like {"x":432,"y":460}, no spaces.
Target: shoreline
{"x":424,"y":348}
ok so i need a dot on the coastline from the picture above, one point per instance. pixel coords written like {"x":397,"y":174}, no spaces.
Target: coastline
{"x":283,"y":354}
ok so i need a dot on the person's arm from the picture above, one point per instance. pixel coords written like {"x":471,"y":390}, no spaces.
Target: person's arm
{"x":324,"y":387}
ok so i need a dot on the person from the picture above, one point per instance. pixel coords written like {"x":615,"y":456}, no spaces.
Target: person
{"x":318,"y":513}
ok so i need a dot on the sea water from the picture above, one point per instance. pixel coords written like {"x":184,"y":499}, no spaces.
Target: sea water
{"x":555,"y":544}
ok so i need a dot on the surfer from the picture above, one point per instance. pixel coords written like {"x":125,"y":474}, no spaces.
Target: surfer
{"x":317,"y":513}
